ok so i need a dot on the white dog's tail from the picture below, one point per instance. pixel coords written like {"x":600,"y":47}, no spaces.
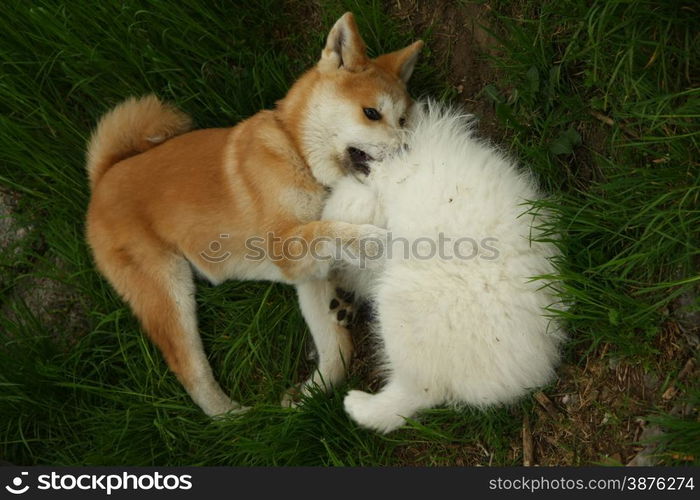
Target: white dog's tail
{"x":132,"y":127}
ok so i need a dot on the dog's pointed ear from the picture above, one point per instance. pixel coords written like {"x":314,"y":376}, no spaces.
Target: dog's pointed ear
{"x":401,"y":62}
{"x":344,"y":47}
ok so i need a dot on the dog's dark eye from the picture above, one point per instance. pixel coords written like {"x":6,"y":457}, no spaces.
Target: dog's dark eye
{"x":402,"y":121}
{"x":372,"y":114}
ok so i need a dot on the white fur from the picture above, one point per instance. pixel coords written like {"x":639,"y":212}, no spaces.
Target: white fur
{"x":452,"y":331}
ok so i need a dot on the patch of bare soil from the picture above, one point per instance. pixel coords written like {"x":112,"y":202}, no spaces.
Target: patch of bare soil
{"x":597,"y":412}
{"x":460,"y":43}
{"x":53,"y":304}
{"x":11,"y":232}
{"x":306,"y":18}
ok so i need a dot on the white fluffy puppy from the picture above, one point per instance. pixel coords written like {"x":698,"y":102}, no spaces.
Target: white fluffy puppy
{"x":458,"y":315}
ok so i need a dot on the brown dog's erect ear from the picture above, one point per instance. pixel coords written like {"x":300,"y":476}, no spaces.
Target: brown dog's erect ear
{"x":344,"y":47}
{"x":401,"y":62}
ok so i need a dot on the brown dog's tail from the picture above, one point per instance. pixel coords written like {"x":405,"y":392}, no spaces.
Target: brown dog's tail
{"x":133,"y":126}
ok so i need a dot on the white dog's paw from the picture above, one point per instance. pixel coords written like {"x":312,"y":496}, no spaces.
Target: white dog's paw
{"x":356,"y":403}
{"x":368,"y":412}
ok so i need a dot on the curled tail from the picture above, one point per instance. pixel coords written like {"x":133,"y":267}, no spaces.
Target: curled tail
{"x":133,"y":126}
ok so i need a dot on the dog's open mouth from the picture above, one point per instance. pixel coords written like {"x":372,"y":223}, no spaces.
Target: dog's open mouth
{"x":359,"y":160}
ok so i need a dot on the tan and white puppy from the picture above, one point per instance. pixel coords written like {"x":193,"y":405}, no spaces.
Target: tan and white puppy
{"x":164,"y":198}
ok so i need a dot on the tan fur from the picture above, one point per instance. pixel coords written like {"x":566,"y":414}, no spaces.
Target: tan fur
{"x":161,"y":196}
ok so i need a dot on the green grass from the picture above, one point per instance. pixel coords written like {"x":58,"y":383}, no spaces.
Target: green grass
{"x":627,"y":204}
{"x":602,"y":99}
{"x":630,"y":222}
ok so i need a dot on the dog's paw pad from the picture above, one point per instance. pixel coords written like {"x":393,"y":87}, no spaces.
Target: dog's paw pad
{"x":342,"y":307}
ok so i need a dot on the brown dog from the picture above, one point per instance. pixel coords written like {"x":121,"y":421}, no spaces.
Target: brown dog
{"x":162,"y":196}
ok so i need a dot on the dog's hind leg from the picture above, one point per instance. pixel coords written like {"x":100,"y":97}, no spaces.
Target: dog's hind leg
{"x":160,"y":289}
{"x":330,"y":335}
{"x":388,"y":409}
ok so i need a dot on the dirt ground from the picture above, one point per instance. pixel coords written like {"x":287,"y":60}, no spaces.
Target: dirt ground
{"x":460,"y":43}
{"x":56,"y":306}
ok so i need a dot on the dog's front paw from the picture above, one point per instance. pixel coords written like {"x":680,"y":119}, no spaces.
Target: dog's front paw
{"x":342,"y":307}
{"x":370,"y":248}
{"x":373,"y":239}
{"x":232,"y":409}
{"x":292,"y":397}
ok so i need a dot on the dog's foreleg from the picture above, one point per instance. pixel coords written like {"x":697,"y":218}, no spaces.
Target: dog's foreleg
{"x":330,"y":335}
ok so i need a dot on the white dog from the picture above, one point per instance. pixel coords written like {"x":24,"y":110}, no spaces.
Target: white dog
{"x":459,"y":316}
